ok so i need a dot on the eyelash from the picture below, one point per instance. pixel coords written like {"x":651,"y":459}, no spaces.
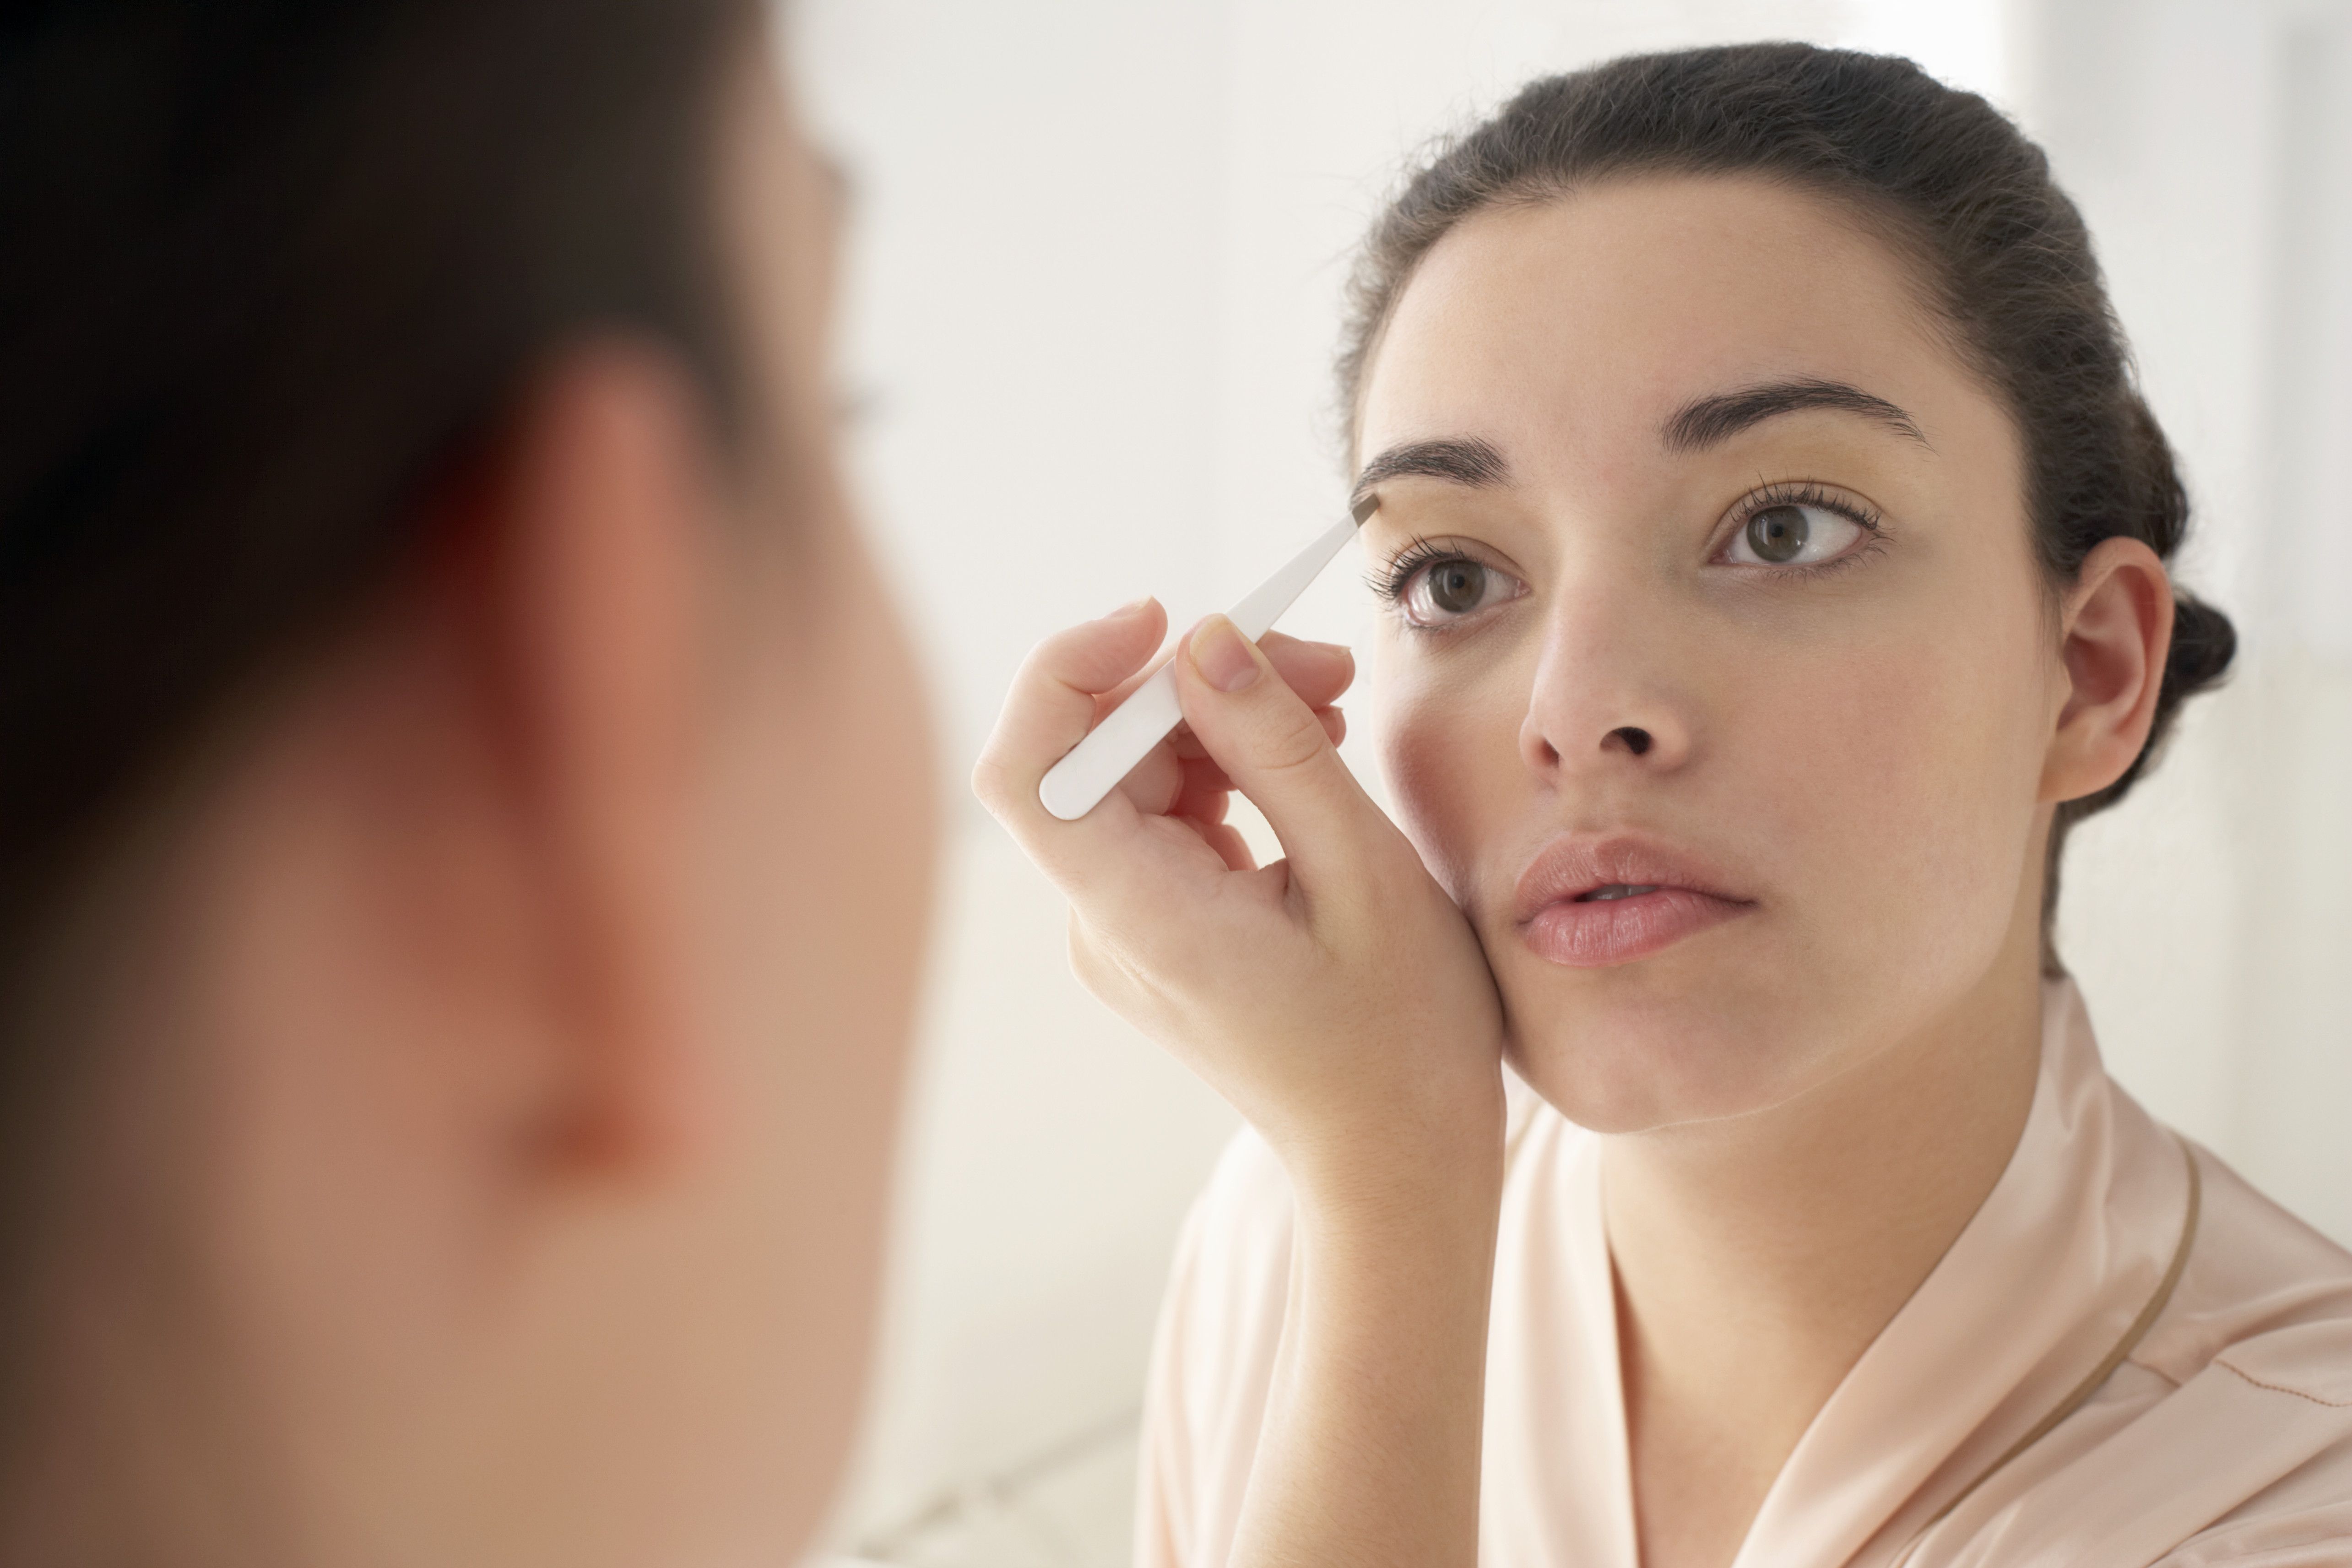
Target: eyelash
{"x":1391,"y":580}
{"x":1808,"y":493}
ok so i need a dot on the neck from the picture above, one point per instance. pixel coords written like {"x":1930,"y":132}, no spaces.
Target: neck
{"x":1756,"y":1258}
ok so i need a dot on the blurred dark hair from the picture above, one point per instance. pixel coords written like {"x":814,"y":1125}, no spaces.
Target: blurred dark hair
{"x":268,"y":264}
{"x":267,"y":267}
{"x":1942,"y":173}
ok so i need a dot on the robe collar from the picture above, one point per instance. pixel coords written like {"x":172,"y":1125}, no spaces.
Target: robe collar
{"x":2067,"y":1261}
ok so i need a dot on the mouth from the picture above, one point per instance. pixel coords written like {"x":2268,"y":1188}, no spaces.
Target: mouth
{"x":1615,"y":891}
{"x":1590,"y":901}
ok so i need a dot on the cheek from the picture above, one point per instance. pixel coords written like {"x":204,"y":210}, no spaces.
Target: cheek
{"x":1448,"y":742}
{"x":819,"y":850}
{"x":1905,"y":778}
{"x":828,"y":851}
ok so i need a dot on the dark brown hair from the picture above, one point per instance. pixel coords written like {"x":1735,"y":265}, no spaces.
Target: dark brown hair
{"x":2004,"y":253}
{"x":268,"y":266}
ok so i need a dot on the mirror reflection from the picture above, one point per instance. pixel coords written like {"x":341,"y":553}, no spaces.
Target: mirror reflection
{"x":2204,"y":1003}
{"x":911,"y":785}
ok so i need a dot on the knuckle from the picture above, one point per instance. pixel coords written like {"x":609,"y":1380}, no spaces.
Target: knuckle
{"x":990,"y":782}
{"x":1293,"y":740}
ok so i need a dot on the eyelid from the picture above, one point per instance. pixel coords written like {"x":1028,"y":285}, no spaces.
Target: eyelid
{"x":1394,"y":582}
{"x":1795,"y":492}
{"x":1390,"y":573}
{"x":1389,"y":578}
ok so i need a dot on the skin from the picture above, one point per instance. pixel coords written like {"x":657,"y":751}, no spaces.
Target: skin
{"x":1803,"y":1103}
{"x":506,"y":1011}
{"x":1806,"y":1102}
{"x":1336,"y":997}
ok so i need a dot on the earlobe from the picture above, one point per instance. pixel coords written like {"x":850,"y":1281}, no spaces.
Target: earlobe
{"x":2118,"y":629}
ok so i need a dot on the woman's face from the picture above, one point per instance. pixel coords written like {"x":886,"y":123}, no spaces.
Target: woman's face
{"x":811,"y":893}
{"x":1718,"y":681}
{"x":502,"y":1056}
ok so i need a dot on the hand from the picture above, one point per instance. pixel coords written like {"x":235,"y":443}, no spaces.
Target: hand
{"x":1336,"y":997}
{"x":1341,"y":1003}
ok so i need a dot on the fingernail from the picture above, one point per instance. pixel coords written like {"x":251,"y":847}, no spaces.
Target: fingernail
{"x":1223,"y":660}
{"x":1132,"y":607}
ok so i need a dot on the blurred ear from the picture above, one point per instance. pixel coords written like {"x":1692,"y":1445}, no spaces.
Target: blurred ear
{"x":2117,"y":630}
{"x":576,"y":550}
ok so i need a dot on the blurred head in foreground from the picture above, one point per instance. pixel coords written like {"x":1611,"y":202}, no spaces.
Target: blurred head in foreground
{"x":464,"y":817}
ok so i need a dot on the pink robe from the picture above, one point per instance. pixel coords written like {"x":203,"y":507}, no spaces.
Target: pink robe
{"x":2128,"y":1357}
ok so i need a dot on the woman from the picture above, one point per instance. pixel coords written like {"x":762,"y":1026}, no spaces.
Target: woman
{"x":465,"y":815}
{"x":1775,"y":547}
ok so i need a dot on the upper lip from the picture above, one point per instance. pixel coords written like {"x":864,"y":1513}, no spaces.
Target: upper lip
{"x":1576,"y":863}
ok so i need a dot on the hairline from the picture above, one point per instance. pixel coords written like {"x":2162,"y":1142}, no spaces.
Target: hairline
{"x":1878,"y":216}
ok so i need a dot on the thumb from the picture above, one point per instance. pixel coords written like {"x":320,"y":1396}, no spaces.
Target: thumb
{"x":1271,"y":745}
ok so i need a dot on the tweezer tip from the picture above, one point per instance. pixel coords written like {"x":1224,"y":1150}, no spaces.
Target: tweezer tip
{"x":1364,"y":508}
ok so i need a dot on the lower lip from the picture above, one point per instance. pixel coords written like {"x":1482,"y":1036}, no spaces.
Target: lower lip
{"x":1596,"y":933}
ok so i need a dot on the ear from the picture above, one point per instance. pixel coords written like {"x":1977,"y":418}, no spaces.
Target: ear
{"x":2116,"y":631}
{"x":577,"y":551}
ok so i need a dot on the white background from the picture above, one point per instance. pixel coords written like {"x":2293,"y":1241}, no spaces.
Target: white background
{"x":1094,"y":278}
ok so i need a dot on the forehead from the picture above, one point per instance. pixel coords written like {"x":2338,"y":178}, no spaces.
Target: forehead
{"x":1569,"y":327}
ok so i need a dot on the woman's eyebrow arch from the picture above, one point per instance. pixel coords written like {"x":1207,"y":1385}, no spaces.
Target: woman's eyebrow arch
{"x":1462,"y":460}
{"x":1709,"y":421}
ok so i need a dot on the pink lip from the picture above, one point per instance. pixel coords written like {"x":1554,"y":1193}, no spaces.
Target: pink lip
{"x":1561,"y":924}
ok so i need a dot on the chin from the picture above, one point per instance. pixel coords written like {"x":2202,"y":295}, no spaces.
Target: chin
{"x":1621,"y":1051}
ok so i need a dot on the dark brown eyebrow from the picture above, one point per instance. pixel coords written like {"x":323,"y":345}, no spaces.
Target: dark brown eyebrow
{"x":1712,"y":420}
{"x":1463,"y":460}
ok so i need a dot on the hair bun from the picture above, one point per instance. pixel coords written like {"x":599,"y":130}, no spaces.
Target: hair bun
{"x":2204,"y":644}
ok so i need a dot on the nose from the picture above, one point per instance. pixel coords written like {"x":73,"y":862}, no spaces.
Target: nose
{"x":1605,"y":698}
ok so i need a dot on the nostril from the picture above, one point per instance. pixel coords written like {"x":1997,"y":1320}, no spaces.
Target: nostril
{"x":1636,"y":741}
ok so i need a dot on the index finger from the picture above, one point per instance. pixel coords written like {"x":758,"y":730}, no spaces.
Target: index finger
{"x":1054,"y":700}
